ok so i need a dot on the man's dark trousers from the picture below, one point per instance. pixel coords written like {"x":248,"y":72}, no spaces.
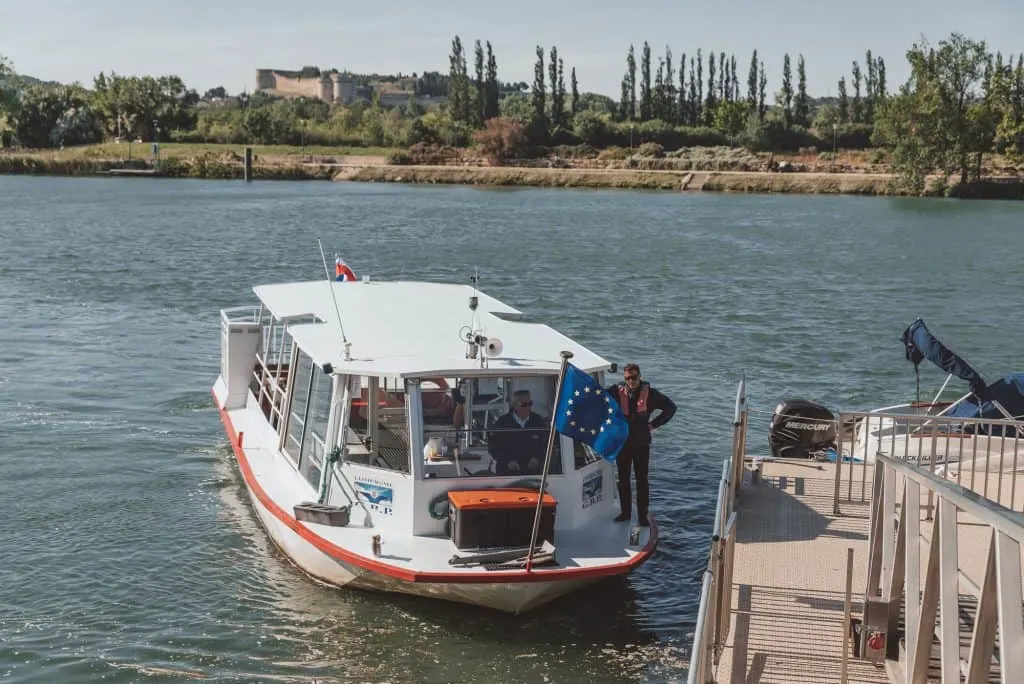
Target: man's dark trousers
{"x":638,"y":456}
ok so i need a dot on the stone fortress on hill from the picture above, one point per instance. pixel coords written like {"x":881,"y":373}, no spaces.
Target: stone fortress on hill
{"x":345,"y":88}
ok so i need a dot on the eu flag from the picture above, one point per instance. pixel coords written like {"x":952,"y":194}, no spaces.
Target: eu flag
{"x":587,"y":413}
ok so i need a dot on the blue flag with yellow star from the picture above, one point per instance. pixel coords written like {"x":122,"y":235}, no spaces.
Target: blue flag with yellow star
{"x":586,"y":412}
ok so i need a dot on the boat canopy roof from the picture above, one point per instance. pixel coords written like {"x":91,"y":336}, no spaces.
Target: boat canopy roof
{"x":416,"y":329}
{"x":1008,"y":391}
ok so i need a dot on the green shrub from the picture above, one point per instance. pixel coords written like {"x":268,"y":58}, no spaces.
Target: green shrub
{"x":398,"y":158}
{"x":651,"y":149}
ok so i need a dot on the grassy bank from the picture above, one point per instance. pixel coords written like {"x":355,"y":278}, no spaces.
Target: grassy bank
{"x":732,"y":181}
{"x":143,"y":151}
{"x":168,"y":168}
{"x":727,"y":171}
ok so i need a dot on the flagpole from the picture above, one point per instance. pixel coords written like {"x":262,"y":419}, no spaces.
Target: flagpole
{"x":566,"y":355}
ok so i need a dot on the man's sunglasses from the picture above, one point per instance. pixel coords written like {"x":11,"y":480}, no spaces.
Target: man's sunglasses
{"x":629,"y":378}
{"x":527,"y":404}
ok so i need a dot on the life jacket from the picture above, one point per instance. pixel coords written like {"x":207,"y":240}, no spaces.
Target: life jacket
{"x":641,"y":401}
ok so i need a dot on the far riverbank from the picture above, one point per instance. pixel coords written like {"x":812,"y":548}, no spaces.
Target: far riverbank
{"x":290,"y":165}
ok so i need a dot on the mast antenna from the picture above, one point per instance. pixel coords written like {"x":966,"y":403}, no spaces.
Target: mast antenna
{"x":337,"y":309}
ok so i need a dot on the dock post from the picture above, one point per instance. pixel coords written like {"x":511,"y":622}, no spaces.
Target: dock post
{"x":847,"y":618}
{"x":248,"y":164}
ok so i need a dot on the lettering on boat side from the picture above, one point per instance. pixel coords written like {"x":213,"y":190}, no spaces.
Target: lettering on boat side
{"x":593,"y":488}
{"x":378,"y":494}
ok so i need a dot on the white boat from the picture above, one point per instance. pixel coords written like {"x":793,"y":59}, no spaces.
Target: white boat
{"x":981,"y":430}
{"x":358,"y":493}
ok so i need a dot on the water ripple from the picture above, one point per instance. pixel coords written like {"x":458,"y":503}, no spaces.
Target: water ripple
{"x":132,"y":551}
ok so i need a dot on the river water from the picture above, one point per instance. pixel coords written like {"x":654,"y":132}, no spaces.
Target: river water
{"x":129,"y":550}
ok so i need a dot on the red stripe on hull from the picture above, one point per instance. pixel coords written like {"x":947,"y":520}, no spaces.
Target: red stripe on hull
{"x":493,"y":577}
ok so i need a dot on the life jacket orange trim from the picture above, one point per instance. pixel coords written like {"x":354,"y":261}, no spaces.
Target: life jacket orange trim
{"x":641,"y":401}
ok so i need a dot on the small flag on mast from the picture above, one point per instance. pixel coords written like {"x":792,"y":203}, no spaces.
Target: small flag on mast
{"x":342,"y":272}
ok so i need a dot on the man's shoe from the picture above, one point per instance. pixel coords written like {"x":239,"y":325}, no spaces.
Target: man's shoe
{"x":642,"y":521}
{"x":622,"y":517}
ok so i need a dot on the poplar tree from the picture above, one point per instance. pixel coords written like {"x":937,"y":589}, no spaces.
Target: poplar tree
{"x":844,"y":102}
{"x":734,"y":72}
{"x":856,"y":111}
{"x":709,"y":103}
{"x":723,"y":76}
{"x":574,"y":103}
{"x":802,"y":105}
{"x":629,"y":102}
{"x":491,"y":106}
{"x":762,"y":92}
{"x":538,"y":96}
{"x":561,"y":93}
{"x":645,"y":83}
{"x":787,"y":92}
{"x":752,"y":83}
{"x":869,"y":87}
{"x":682,"y":116}
{"x":458,"y":87}
{"x":668,"y":98}
{"x":480,"y":112}
{"x":880,"y":86}
{"x":557,"y":108}
{"x":698,"y":101}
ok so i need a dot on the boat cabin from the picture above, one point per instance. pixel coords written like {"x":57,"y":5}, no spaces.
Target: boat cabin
{"x":385,"y":396}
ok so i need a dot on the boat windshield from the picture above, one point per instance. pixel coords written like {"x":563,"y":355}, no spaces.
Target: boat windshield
{"x":488,"y":426}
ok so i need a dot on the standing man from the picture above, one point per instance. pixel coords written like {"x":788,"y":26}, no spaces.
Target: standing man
{"x":638,"y":401}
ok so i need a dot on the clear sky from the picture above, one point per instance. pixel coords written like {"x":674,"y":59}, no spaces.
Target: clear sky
{"x":222,"y":42}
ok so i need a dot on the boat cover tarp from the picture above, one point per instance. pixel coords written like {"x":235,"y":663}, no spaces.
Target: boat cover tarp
{"x":1008,"y":391}
{"x":921,"y":344}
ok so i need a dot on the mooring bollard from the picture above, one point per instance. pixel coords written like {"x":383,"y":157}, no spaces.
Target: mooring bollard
{"x":248,"y":164}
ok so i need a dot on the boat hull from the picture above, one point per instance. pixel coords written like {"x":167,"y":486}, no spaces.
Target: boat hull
{"x":513,"y":592}
{"x":507,"y":596}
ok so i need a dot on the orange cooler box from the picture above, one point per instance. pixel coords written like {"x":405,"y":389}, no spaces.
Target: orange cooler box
{"x":489,"y":518}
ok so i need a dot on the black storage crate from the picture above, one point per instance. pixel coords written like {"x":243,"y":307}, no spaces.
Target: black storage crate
{"x":500,"y":523}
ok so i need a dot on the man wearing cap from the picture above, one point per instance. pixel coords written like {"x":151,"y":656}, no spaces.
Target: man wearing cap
{"x":519,"y":439}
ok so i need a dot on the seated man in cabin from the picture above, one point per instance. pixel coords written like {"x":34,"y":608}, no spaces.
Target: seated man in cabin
{"x":519,"y":439}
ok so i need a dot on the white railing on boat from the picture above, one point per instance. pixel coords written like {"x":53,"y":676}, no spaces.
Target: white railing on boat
{"x":984,"y":455}
{"x":713,"y":614}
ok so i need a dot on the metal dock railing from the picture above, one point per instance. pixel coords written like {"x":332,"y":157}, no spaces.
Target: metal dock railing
{"x":904,"y":568}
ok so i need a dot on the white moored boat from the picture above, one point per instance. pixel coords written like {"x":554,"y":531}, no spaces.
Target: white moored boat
{"x":417,"y":490}
{"x":981,"y":430}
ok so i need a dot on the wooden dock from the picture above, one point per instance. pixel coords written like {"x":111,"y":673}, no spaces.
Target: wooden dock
{"x":789,"y":580}
{"x":926,"y":553}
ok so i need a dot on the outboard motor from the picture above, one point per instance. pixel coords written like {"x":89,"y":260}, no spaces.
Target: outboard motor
{"x":800,"y":429}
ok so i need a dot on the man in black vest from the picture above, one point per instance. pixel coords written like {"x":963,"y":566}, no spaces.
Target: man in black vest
{"x":638,"y":401}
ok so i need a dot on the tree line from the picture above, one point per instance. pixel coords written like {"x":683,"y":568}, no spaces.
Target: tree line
{"x":961,"y":102}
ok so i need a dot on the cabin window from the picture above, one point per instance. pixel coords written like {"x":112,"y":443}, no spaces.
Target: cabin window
{"x":488,"y":426}
{"x":314,"y":438}
{"x":303,"y":379}
{"x":377,"y":434}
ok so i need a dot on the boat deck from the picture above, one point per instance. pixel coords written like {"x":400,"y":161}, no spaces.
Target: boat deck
{"x":789,"y":580}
